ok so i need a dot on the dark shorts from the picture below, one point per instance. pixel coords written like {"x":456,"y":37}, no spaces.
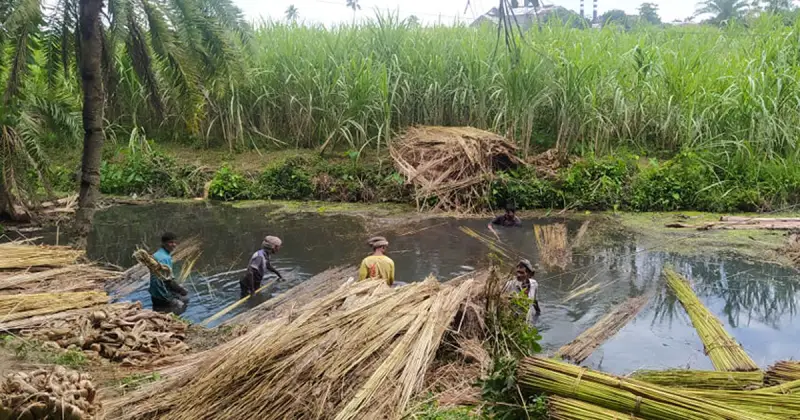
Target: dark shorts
{"x":176,"y":306}
{"x":250,"y":282}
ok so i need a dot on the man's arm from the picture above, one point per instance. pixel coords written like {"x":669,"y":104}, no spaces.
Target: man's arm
{"x":362,"y":271}
{"x":272,"y":269}
{"x":174,"y":287}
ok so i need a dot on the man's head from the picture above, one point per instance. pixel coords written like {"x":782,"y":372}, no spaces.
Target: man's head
{"x":511,"y":211}
{"x":169,"y":241}
{"x":272,"y":244}
{"x":525,"y":270}
{"x":378,"y":243}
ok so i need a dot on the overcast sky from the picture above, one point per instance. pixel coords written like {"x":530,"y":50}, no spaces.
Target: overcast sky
{"x":430,"y":11}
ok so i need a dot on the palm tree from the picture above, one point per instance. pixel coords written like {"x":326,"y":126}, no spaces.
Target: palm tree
{"x":291,"y":13}
{"x":353,"y":4}
{"x":722,"y":10}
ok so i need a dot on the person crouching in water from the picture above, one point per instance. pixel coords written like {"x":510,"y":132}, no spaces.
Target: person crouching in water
{"x":377,"y":265}
{"x":524,"y":283}
{"x":258,"y":266}
{"x":165,"y":293}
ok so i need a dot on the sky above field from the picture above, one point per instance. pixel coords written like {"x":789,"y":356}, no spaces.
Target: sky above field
{"x":330,"y":12}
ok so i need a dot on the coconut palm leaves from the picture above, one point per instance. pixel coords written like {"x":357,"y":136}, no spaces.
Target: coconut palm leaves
{"x":723,"y":11}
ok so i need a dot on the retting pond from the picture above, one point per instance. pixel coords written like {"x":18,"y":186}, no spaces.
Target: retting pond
{"x":756,"y":301}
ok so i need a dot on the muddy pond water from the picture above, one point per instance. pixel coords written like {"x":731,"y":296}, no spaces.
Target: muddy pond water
{"x":756,"y":301}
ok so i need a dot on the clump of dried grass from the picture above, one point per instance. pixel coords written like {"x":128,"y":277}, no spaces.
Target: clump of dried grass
{"x":451,"y":168}
{"x":17,"y":255}
{"x":362,"y":359}
{"x":553,"y":245}
{"x":582,"y":347}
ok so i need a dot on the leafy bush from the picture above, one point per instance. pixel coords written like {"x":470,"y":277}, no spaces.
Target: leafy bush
{"x":674,"y":185}
{"x":228,"y":185}
{"x":287,"y":181}
{"x":525,"y":190}
{"x":599,"y":183}
{"x":149,"y":173}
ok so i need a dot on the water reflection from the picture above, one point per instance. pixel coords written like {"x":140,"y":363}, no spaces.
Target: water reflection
{"x":756,"y":301}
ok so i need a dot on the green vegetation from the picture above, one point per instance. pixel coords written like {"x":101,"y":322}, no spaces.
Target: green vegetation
{"x":35,"y":352}
{"x":713,"y":111}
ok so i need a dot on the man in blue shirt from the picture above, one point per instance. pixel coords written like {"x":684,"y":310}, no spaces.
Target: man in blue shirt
{"x":166,"y":294}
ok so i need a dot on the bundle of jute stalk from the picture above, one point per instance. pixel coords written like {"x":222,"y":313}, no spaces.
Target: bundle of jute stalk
{"x":188,"y":252}
{"x":725,"y":353}
{"x":582,"y":347}
{"x":48,"y":394}
{"x":560,"y":408}
{"x":788,"y":370}
{"x":359,"y":352}
{"x":24,"y":256}
{"x":14,"y":307}
{"x":121,"y":333}
{"x":551,"y":240}
{"x":641,"y":399}
{"x":702,"y":379}
{"x":72,"y":278}
{"x":785,"y":406}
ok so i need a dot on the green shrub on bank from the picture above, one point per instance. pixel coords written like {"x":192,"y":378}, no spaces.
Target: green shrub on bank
{"x":525,"y":190}
{"x":151,"y":173}
{"x":677,"y":184}
{"x":228,"y":185}
{"x":599,"y":183}
{"x":289,"y":180}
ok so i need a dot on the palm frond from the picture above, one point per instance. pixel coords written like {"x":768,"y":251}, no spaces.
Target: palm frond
{"x":142,"y":61}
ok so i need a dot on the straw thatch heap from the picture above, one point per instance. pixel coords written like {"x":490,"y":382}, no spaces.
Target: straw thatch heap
{"x":17,"y":255}
{"x":48,"y":394}
{"x":121,"y":333}
{"x":723,"y":350}
{"x":701,"y":379}
{"x":451,"y":168}
{"x":552,"y":242}
{"x":582,"y":347}
{"x":628,"y":396}
{"x":296,"y":297}
{"x":359,"y":352}
{"x":788,"y":370}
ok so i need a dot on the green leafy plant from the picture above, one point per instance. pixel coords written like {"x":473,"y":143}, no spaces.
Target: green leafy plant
{"x":228,"y":185}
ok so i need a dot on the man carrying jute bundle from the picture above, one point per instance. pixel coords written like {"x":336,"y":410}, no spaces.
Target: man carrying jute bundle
{"x":259,"y":264}
{"x":166,"y":294}
{"x":377,"y":265}
{"x":525,"y":284}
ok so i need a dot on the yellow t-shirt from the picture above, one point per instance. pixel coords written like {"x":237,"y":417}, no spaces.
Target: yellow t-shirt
{"x":377,"y":267}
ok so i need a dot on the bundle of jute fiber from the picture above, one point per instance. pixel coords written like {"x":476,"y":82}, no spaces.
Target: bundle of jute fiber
{"x":582,"y":347}
{"x":702,"y":379}
{"x":725,"y":353}
{"x":296,"y":297}
{"x":790,"y":387}
{"x":451,"y":168}
{"x":554,"y":249}
{"x":787,"y":370}
{"x":125,"y":334}
{"x":14,"y":307}
{"x":640,"y":399}
{"x":784,"y":406}
{"x":23,"y":256}
{"x":72,"y":278}
{"x":359,"y":352}
{"x":559,"y":408}
{"x":48,"y":394}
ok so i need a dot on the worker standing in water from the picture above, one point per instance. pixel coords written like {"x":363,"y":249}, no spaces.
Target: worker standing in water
{"x":509,"y":219}
{"x":165,"y":293}
{"x":377,"y":265}
{"x":259,"y":265}
{"x":524,"y":283}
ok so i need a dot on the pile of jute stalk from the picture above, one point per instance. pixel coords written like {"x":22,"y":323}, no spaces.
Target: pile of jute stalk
{"x":359,"y":352}
{"x":723,"y":350}
{"x":553,"y":245}
{"x":17,"y":307}
{"x":788,"y":370}
{"x":72,"y":278}
{"x":18,"y":255}
{"x":122,"y":333}
{"x":48,"y":394}
{"x":633,"y":397}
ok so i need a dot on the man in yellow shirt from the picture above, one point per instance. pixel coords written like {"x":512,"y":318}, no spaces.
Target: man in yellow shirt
{"x":377,"y":265}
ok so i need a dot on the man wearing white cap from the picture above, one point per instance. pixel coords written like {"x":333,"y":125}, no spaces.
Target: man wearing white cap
{"x":259,"y":264}
{"x":377,"y":265}
{"x":525,"y":283}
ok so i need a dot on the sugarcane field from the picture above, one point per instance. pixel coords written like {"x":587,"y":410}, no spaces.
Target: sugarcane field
{"x":443,"y":210}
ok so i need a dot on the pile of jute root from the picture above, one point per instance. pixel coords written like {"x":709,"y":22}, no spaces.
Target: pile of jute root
{"x":48,"y":394}
{"x":121,"y":333}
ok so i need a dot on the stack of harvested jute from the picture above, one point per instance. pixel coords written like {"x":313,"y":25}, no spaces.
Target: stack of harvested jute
{"x":359,"y":352}
{"x":122,"y":332}
{"x":48,"y":394}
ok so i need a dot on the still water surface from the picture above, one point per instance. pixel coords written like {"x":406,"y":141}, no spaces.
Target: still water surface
{"x":757,"y":302}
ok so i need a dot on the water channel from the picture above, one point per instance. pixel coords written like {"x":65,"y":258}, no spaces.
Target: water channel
{"x":757,"y":302}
